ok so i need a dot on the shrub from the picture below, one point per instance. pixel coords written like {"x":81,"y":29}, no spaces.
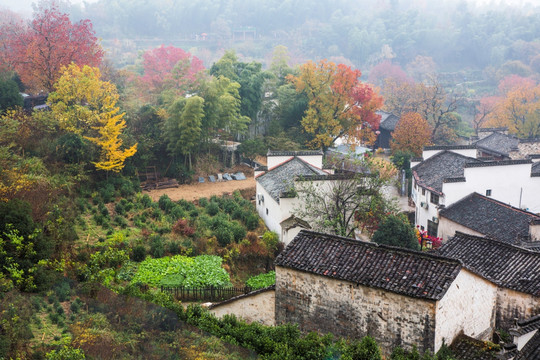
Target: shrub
{"x":203,"y":202}
{"x":106,"y":192}
{"x":157,"y":248}
{"x":251,"y":221}
{"x":396,"y":231}
{"x":138,"y":253}
{"x":121,"y":221}
{"x":119,"y":208}
{"x":166,"y":204}
{"x":182,"y":227}
{"x":145,"y":201}
{"x":239,"y":232}
{"x":212,"y":208}
{"x":177,"y":212}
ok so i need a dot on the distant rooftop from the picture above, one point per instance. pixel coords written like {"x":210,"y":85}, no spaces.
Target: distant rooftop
{"x":432,"y":172}
{"x":280,"y":179}
{"x":294,"y":153}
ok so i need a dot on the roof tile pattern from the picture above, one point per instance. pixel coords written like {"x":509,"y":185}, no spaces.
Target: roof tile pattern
{"x":490,"y":217}
{"x":389,"y":121}
{"x":503,"y":264}
{"x":280,"y":179}
{"x":526,"y":326}
{"x":498,"y":143}
{"x":467,"y":348}
{"x":431,"y":173}
{"x":398,"y":270}
{"x":531,"y":350}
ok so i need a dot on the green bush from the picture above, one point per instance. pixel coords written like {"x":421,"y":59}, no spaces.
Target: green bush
{"x":145,"y":201}
{"x":203,"y":202}
{"x":238,"y":231}
{"x":166,"y":204}
{"x":251,"y":221}
{"x":107,"y":192}
{"x":212,"y":208}
{"x":119,"y":208}
{"x":121,"y":221}
{"x":157,"y":248}
{"x":66,"y":353}
{"x":396,"y":231}
{"x":139,"y":253}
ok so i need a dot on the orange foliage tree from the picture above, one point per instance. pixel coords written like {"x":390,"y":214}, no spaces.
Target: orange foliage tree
{"x":339,"y":104}
{"x":412,"y":133}
{"x":518,"y":108}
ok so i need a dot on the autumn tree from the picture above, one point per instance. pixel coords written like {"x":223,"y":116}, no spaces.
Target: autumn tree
{"x":412,"y":133}
{"x":38,"y":50}
{"x":518,"y":110}
{"x":338,"y":104}
{"x":429,"y":100}
{"x":169,"y":67}
{"x":84,"y":104}
{"x":387,"y":70}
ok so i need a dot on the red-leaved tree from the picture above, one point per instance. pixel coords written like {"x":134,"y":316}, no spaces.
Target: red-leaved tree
{"x":169,"y":67}
{"x":38,"y":50}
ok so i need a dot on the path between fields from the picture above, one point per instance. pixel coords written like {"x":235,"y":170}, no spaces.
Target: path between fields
{"x":198,"y":190}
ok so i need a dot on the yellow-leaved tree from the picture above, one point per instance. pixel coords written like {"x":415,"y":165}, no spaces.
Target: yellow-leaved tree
{"x":85,"y":105}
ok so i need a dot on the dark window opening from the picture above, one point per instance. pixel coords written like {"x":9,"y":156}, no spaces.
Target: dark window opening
{"x":488,"y":192}
{"x":432,"y":228}
{"x":434,"y":199}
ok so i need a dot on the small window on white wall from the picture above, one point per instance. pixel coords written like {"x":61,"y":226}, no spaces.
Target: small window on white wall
{"x":488,"y":192}
{"x":266,"y":211}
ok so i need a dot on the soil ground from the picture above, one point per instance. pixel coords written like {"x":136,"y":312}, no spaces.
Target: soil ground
{"x":196,"y":190}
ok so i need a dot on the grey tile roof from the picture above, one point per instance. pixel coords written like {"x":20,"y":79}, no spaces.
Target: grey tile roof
{"x":498,"y":163}
{"x":280,"y":179}
{"x":531,"y":350}
{"x":449,"y":147}
{"x":467,"y":348}
{"x":388,"y":120}
{"x":526,"y":326}
{"x":503,"y":264}
{"x":412,"y":273}
{"x":431,"y":173}
{"x":498,"y":143}
{"x":490,"y":217}
{"x":535,"y":169}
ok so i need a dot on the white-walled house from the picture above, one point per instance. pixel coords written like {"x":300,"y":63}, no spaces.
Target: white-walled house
{"x":401,"y":297}
{"x":275,"y":196}
{"x":443,"y":177}
{"x":481,"y":215}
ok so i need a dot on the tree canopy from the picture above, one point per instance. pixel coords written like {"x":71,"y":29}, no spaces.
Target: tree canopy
{"x":339,"y":104}
{"x":38,"y":50}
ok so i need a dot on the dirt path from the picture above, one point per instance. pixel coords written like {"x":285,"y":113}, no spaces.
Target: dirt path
{"x":195,"y":191}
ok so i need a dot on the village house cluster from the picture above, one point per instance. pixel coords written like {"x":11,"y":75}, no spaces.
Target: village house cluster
{"x":481,"y":198}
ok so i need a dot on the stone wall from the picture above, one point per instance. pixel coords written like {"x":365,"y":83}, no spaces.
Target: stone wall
{"x":327,"y":305}
{"x":259,"y":307}
{"x":513,"y":305}
{"x":526,"y":147}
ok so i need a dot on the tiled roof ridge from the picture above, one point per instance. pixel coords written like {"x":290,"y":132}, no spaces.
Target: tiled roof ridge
{"x":454,"y":179}
{"x":450,"y":147}
{"x":528,"y":321}
{"x":275,"y":167}
{"x":293,"y":152}
{"x":397,"y":249}
{"x":529,"y":140}
{"x":492,"y":129}
{"x":311,"y":166}
{"x":498,"y":202}
{"x":496,"y":242}
{"x":441,"y":153}
{"x":341,"y":176}
{"x":498,"y":163}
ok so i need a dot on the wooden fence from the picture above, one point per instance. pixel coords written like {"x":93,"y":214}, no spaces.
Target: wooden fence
{"x":210,"y":293}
